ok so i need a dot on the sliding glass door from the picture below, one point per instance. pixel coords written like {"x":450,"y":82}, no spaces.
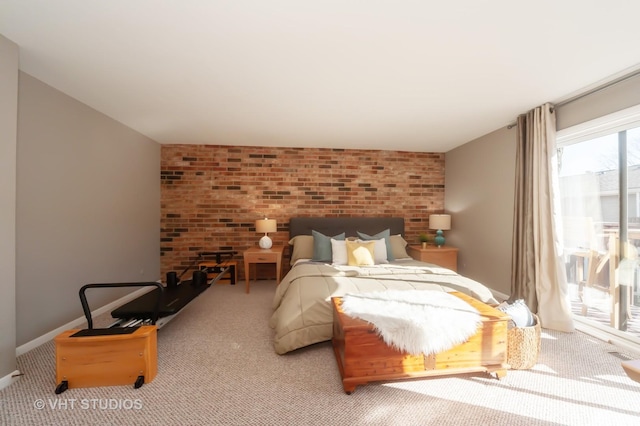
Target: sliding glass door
{"x":599,"y":177}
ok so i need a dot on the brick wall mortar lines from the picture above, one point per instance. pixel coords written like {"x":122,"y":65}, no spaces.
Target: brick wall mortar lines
{"x":211,"y":195}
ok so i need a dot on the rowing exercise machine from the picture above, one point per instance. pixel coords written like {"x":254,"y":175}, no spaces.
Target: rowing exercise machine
{"x":128,"y":348}
{"x":108,"y":356}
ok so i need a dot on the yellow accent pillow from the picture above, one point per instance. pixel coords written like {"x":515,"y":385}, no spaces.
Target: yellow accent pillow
{"x":360,"y":253}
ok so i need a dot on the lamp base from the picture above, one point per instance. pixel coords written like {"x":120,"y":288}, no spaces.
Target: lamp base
{"x":439,"y":239}
{"x":265,"y":242}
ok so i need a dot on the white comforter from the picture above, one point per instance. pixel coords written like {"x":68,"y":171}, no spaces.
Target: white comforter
{"x":302,"y":304}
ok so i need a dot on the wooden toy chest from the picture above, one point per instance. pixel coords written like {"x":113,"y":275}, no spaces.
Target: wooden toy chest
{"x":363,"y":357}
{"x":107,"y":360}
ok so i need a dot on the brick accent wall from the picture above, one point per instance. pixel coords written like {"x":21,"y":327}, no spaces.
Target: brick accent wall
{"x":211,"y":195}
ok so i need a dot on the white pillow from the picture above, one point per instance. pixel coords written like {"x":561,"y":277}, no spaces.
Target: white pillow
{"x":339,"y":252}
{"x":379,"y":250}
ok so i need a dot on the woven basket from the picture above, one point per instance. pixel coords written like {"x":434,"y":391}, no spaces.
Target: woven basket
{"x":523,"y":346}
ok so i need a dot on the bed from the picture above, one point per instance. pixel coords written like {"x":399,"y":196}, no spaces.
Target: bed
{"x":302,"y":310}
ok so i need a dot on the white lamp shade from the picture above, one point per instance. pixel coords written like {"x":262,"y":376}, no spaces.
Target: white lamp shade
{"x":266,"y":225}
{"x":440,"y":221}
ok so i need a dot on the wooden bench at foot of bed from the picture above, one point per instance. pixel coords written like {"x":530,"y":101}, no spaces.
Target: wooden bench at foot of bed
{"x":363,"y":357}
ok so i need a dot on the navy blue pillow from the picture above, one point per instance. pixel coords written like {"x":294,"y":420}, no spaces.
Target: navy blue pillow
{"x":322,"y":246}
{"x":386,"y":234}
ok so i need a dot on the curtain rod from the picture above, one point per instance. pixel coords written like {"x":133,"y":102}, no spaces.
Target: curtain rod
{"x":599,"y":88}
{"x":590,"y":92}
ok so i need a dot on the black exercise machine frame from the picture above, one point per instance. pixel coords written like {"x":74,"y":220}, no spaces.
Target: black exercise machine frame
{"x":85,"y":304}
{"x":177,"y":293}
{"x":217,"y":269}
{"x":154,"y":312}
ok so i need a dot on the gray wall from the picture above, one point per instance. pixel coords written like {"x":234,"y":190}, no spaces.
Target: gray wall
{"x":8,"y":140}
{"x":88,"y":207}
{"x":479,"y":179}
{"x":479,"y":195}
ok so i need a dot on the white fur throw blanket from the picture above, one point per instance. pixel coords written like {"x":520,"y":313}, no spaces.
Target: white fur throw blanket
{"x":415,"y":321}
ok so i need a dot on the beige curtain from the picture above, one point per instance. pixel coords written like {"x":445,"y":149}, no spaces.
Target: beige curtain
{"x":537,"y":273}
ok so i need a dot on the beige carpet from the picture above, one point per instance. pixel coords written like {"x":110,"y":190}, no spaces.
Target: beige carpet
{"x":217,"y":367}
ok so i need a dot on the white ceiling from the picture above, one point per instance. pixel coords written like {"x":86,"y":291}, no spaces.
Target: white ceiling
{"x":377,"y":74}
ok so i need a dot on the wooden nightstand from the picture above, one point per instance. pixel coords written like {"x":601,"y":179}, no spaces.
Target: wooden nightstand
{"x":444,"y":256}
{"x":259,"y":255}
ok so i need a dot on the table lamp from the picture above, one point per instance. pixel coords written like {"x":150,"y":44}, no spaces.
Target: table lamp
{"x":440,"y":222}
{"x":265,"y":226}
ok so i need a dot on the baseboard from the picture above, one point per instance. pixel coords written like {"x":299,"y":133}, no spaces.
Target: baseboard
{"x":9,"y":379}
{"x":499,"y":295}
{"x":609,"y":335}
{"x":80,"y":321}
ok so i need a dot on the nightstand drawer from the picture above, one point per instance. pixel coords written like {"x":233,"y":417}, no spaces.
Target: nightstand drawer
{"x":261,"y":257}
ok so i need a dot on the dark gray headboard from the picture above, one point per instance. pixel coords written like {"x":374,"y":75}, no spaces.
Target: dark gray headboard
{"x":349,"y":225}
